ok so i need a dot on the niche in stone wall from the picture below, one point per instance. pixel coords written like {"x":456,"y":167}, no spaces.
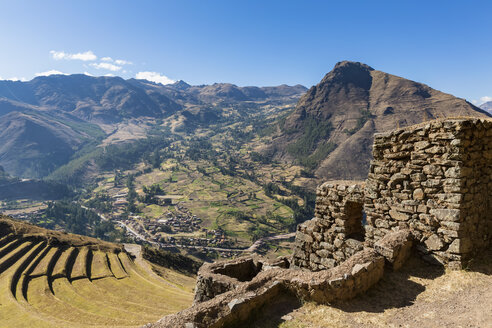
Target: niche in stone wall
{"x":355,"y":220}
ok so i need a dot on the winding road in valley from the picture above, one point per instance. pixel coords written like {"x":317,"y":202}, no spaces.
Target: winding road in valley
{"x":250,"y":249}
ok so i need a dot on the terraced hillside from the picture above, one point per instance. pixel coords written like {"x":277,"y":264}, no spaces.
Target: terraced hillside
{"x":52,"y":279}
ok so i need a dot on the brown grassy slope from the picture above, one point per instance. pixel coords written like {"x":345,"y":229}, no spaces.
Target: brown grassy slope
{"x":16,"y":227}
{"x":358,"y":101}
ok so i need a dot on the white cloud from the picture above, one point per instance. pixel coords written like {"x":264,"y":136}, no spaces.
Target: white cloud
{"x":84,"y":56}
{"x":122,"y":62}
{"x":119,"y":62}
{"x":485,"y":99}
{"x":109,"y":74}
{"x":23,"y":79}
{"x":88,"y":74}
{"x":108,"y":66}
{"x":15,"y":78}
{"x":154,"y":77}
{"x":50,"y":72}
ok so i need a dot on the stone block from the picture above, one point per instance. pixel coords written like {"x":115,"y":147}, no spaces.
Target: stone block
{"x":452,"y":215}
{"x":418,"y":194}
{"x":395,"y":247}
{"x":434,"y":243}
{"x":399,"y":215}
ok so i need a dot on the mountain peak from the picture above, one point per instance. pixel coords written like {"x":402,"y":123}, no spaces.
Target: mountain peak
{"x":339,"y":116}
{"x":182,"y":85}
{"x":346,"y":64}
{"x":349,"y":72}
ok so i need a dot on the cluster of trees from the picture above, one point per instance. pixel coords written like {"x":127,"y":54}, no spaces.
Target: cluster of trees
{"x":101,"y":202}
{"x":75,"y":219}
{"x":150,"y":193}
{"x":132,"y":194}
{"x":263,"y":159}
{"x":313,"y":131}
{"x":271,"y":189}
{"x":200,"y":149}
{"x":126,"y":155}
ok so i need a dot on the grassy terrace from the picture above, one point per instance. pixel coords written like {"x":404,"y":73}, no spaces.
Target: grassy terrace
{"x":47,"y":284}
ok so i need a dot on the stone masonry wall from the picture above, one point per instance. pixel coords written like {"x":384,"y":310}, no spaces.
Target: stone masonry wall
{"x":336,"y":232}
{"x":435,"y":179}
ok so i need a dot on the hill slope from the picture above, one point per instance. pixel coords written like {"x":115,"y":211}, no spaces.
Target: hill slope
{"x":487,"y":106}
{"x":32,"y":144}
{"x":52,"y":279}
{"x":331,"y":129}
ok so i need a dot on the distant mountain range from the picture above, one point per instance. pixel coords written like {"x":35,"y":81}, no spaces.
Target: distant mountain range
{"x":331,"y":131}
{"x":487,"y":106}
{"x":43,"y":122}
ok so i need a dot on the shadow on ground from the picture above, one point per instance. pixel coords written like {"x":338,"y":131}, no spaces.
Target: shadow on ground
{"x":271,"y":315}
{"x":394,"y":290}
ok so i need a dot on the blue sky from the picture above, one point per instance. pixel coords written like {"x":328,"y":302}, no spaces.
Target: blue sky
{"x":445,"y":44}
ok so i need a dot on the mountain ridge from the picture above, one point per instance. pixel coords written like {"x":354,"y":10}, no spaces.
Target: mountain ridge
{"x":349,"y":105}
{"x":70,"y":111}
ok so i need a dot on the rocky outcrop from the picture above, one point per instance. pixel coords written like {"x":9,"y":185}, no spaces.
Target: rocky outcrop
{"x":229,"y":309}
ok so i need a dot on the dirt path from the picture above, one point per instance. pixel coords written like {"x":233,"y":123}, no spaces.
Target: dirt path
{"x":136,"y":251}
{"x":260,"y":241}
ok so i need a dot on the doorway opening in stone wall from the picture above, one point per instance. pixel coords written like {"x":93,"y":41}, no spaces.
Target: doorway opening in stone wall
{"x":356,"y":219}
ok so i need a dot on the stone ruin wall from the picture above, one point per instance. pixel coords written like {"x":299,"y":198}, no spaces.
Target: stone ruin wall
{"x":434,"y":179}
{"x":336,"y":231}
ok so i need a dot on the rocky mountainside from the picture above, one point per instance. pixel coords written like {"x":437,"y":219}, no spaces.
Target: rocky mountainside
{"x":32,"y":144}
{"x":331,"y":131}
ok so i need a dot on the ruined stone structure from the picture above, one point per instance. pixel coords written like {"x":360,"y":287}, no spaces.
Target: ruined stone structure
{"x":429,"y":186}
{"x":434,"y":179}
{"x":354,"y":276}
{"x":219,"y":277}
{"x":336,"y":232}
